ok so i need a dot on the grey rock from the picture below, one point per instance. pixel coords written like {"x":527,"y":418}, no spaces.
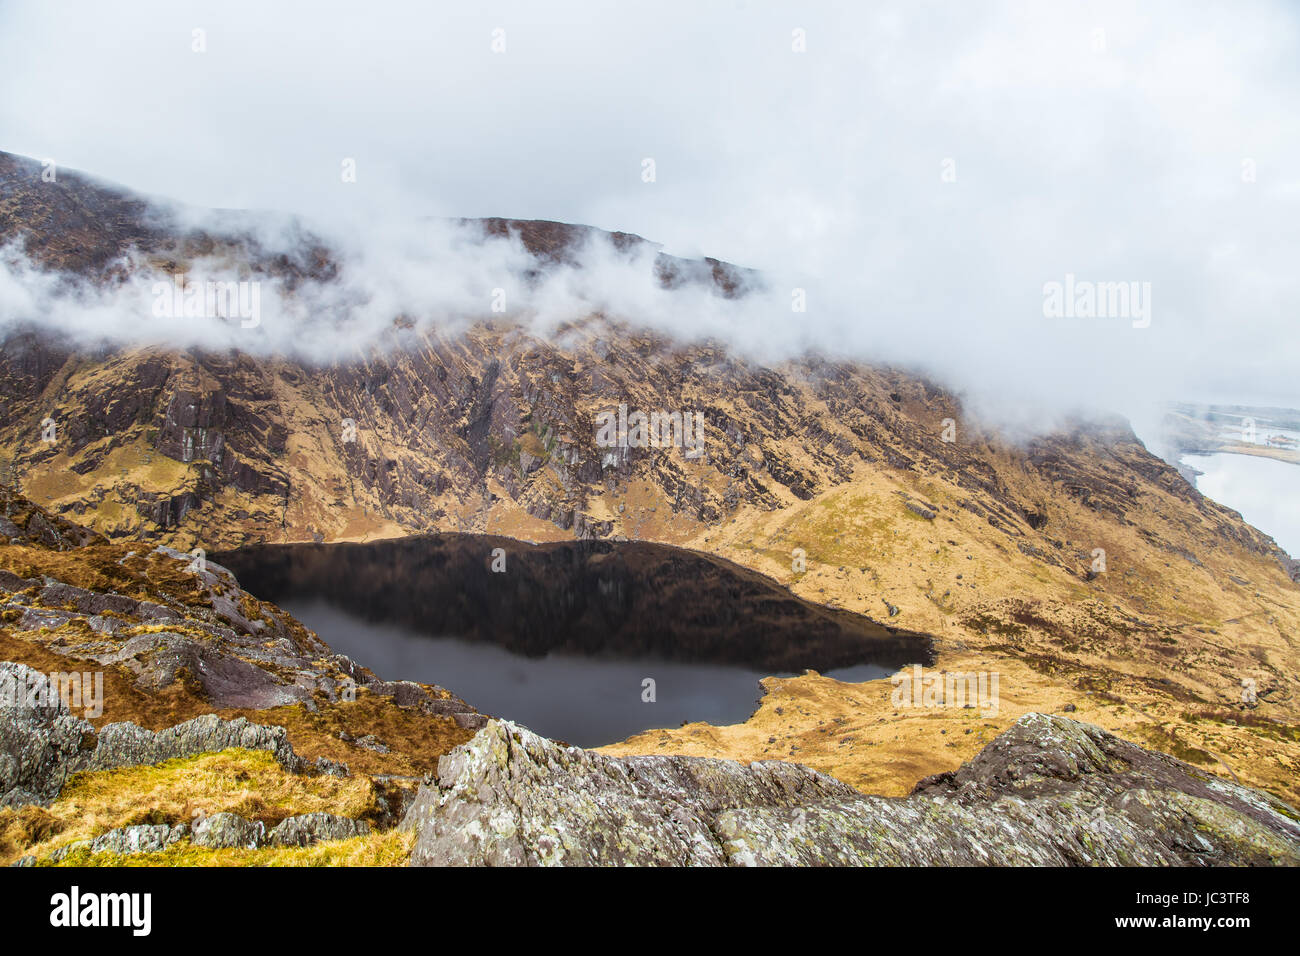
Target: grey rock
{"x":145,"y":838}
{"x":227,"y":831}
{"x":104,"y":625}
{"x":410,"y":694}
{"x":1049,"y":791}
{"x":57,"y":594}
{"x":35,"y":619}
{"x":227,"y":680}
{"x":309,"y":828}
{"x":126,"y":744}
{"x":510,"y":797}
{"x":141,"y":838}
{"x":332,"y":768}
{"x":41,"y":743}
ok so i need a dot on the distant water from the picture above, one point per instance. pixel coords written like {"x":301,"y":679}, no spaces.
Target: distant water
{"x":1266,"y":492}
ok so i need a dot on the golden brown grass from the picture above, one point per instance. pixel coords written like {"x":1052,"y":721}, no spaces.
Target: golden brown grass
{"x":1054,"y":638}
{"x":416,"y":741}
{"x":378,"y":849}
{"x":249,"y":783}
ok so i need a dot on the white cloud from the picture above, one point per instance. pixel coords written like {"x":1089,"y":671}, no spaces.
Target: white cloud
{"x":823,"y":168}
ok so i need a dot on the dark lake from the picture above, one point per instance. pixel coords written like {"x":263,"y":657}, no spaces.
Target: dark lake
{"x":564,"y":638}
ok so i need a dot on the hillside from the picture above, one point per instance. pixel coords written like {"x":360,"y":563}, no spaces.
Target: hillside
{"x":989,"y":545}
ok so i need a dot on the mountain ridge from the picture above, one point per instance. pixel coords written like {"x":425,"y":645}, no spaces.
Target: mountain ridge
{"x":989,"y":544}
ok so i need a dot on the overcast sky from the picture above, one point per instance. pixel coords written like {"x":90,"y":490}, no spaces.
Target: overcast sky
{"x":923,"y":170}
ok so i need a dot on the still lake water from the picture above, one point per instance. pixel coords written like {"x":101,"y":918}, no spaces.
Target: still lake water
{"x":581,"y":700}
{"x":564,"y":639}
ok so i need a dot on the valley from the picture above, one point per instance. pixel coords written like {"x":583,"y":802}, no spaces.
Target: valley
{"x":843,"y":521}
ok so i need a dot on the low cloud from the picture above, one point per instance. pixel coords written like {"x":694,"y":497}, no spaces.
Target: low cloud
{"x":386,"y":285}
{"x":920,"y":171}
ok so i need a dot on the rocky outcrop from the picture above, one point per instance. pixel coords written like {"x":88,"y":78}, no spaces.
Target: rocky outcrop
{"x":141,"y":838}
{"x":21,"y":522}
{"x":125,"y":744}
{"x":236,"y":651}
{"x":231,"y":831}
{"x":1049,"y":791}
{"x":42,"y":744}
{"x":218,"y":831}
{"x":307,"y":829}
{"x":227,"y":831}
{"x":152,"y":636}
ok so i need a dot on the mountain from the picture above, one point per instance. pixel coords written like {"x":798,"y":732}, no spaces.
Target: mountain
{"x":1077,"y":565}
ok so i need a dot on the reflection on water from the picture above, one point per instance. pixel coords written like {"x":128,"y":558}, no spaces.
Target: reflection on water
{"x":565,"y":638}
{"x":582,"y":700}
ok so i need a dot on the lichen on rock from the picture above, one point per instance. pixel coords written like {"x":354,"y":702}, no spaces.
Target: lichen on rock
{"x":1050,"y":791}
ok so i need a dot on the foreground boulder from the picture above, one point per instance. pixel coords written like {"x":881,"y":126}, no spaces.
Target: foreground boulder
{"x":1049,"y":791}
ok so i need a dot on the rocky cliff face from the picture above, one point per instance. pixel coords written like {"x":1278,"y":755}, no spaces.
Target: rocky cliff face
{"x":1048,"y":792}
{"x":491,"y":427}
